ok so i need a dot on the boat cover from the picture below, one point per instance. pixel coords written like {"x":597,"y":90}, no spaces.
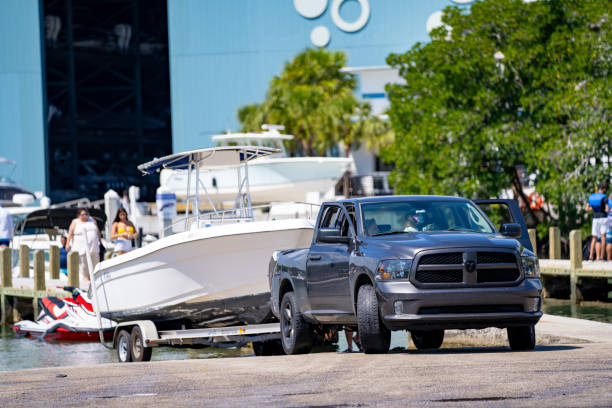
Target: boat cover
{"x":71,"y":318}
{"x":59,"y":217}
{"x":214,"y":157}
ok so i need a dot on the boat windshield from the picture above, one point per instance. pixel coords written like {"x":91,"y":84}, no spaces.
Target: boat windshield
{"x":401,"y":217}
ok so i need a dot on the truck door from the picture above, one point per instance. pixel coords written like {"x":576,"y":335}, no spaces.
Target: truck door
{"x":327,"y":269}
{"x":503,"y":211}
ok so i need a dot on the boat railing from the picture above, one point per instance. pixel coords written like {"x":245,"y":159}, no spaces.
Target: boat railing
{"x":258,"y":212}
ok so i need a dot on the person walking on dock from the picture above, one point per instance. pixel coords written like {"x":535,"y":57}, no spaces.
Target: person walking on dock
{"x":6,"y":227}
{"x":83,"y":235}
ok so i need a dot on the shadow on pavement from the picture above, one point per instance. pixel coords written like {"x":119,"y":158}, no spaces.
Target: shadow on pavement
{"x":481,"y":349}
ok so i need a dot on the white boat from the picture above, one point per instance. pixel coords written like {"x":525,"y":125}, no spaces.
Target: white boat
{"x":213,"y":273}
{"x":274,"y":178}
{"x":9,"y":188}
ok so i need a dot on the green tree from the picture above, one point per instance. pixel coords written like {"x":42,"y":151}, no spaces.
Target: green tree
{"x":504,"y":85}
{"x":314,"y":99}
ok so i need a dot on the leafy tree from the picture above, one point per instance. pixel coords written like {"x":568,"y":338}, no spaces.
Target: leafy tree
{"x":314,"y":99}
{"x":504,"y":85}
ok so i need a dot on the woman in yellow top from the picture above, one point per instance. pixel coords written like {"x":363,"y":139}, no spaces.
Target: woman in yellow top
{"x":123,"y":232}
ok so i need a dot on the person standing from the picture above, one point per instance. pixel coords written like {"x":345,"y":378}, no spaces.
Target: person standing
{"x":63,"y":256}
{"x":598,"y":202}
{"x":6,"y":228}
{"x":123,"y":232}
{"x":83,"y":235}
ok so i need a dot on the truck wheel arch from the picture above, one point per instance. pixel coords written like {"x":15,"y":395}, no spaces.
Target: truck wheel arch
{"x":361,"y":280}
{"x":285,"y":286}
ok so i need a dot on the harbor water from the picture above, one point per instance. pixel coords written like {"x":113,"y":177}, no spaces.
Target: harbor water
{"x":19,"y":353}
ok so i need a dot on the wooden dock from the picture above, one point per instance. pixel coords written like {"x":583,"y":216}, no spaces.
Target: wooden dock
{"x":574,"y":268}
{"x":43,"y":283}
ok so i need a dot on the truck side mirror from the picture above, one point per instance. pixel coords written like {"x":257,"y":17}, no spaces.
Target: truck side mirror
{"x":332,"y":236}
{"x":511,"y":230}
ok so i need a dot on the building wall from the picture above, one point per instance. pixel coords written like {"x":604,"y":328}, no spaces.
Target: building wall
{"x":223,"y":53}
{"x":22,"y":130}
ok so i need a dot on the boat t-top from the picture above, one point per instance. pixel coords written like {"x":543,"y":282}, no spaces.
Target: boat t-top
{"x":215,"y":272}
{"x":273,"y":178}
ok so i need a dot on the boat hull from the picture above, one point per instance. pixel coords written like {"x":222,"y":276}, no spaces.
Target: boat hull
{"x":214,"y":276}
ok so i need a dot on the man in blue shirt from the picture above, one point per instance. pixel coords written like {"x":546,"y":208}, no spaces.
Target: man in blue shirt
{"x":63,"y":256}
{"x":598,"y":202}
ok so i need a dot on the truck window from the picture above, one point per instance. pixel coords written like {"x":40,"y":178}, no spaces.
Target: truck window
{"x":330,"y":217}
{"x":499,"y":214}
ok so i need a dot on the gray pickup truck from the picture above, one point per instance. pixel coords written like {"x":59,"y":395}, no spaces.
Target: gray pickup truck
{"x":418,"y":263}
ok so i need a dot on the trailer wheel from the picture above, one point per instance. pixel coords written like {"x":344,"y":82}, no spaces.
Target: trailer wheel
{"x":522,"y":337}
{"x":123,"y":347}
{"x":427,"y":339}
{"x":374,"y":335}
{"x":296,"y":334}
{"x":138,"y":350}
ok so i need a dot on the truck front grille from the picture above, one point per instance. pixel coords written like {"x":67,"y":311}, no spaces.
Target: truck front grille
{"x":467,"y":268}
{"x":440,"y":276}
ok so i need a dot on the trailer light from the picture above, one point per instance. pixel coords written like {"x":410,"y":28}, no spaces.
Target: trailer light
{"x":394,"y":269}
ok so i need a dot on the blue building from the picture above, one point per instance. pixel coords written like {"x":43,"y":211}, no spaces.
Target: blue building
{"x":91,"y":88}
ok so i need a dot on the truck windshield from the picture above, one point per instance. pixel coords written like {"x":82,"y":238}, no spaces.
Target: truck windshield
{"x":398,"y":217}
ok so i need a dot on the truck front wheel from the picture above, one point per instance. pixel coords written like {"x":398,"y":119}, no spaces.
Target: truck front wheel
{"x":429,"y":339}
{"x":296,"y":334}
{"x":375,"y":337}
{"x":522,"y":337}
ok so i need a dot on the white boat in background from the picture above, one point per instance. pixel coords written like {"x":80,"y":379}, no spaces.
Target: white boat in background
{"x":214,"y":273}
{"x":273,"y":178}
{"x":9,"y":188}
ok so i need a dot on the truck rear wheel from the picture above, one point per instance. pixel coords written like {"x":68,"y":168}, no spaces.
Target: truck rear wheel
{"x":427,"y":339}
{"x":522,"y":337}
{"x":296,"y":334}
{"x":375,"y":337}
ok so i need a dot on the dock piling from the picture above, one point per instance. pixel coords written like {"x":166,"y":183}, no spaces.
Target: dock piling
{"x":73,"y":269}
{"x":54,"y":261}
{"x":575,"y":263}
{"x":39,"y":278}
{"x":7,"y":282}
{"x":24,"y":261}
{"x":555,"y":243}
{"x":5,"y":264}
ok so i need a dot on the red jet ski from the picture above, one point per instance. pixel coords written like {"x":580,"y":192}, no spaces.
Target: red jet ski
{"x":71,"y":319}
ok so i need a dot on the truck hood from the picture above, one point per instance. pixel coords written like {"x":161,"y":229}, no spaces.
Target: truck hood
{"x":407,"y":245}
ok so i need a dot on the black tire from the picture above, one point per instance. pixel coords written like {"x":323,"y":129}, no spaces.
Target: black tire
{"x":427,"y":339}
{"x":268,"y":348}
{"x":374,"y":335}
{"x":123,"y":347}
{"x":137,"y":348}
{"x":522,"y":337}
{"x":296,"y":334}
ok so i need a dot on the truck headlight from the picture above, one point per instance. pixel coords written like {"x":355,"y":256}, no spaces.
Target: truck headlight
{"x":394,"y":269}
{"x":531,"y":266}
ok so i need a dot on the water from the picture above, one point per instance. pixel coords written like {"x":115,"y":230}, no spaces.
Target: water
{"x":19,"y":354}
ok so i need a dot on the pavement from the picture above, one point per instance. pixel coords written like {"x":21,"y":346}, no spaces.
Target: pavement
{"x":573,"y":372}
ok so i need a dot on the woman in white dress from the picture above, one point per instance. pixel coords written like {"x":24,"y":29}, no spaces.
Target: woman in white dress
{"x":123,"y":232}
{"x":84,"y":233}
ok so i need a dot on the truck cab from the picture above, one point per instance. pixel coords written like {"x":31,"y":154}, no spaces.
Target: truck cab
{"x":419,"y":263}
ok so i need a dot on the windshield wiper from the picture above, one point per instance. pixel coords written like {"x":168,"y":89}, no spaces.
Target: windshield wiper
{"x":389,"y":233}
{"x":462,"y":229}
